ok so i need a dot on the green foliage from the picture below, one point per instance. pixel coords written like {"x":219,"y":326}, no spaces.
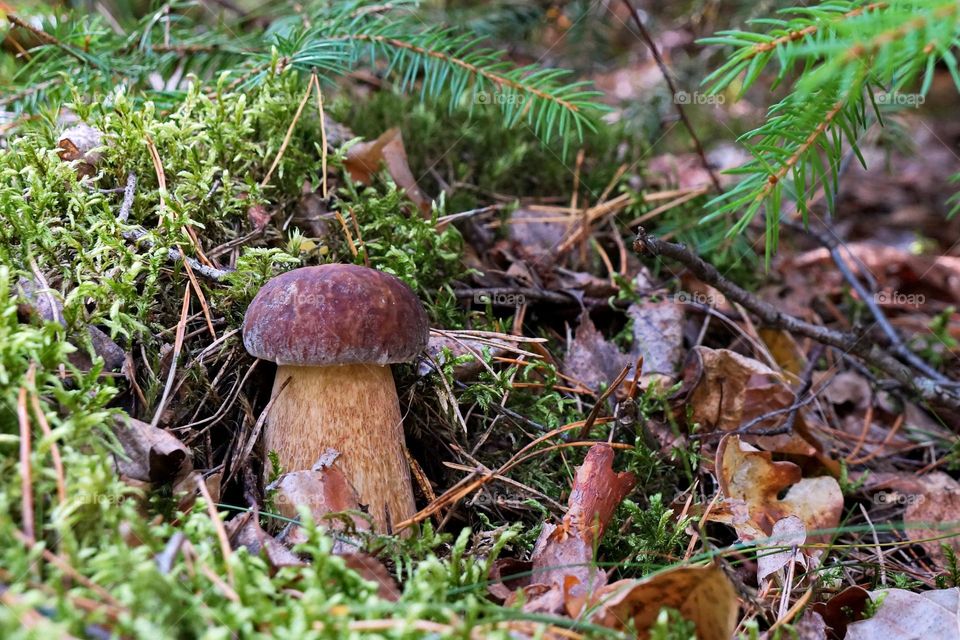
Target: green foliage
{"x":843,"y":63}
{"x":952,"y":577}
{"x":334,"y":39}
{"x":466,"y":146}
{"x":671,"y":625}
{"x":655,"y":537}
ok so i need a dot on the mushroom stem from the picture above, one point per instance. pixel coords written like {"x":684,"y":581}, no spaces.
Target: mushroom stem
{"x":353,"y":409}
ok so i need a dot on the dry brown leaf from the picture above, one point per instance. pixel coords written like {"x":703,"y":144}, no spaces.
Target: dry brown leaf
{"x":842,"y":609}
{"x":703,"y":595}
{"x":936,"y":503}
{"x":591,"y":358}
{"x":905,"y":615}
{"x":810,"y":626}
{"x":81,"y":144}
{"x":245,"y":531}
{"x":536,"y":234}
{"x":788,"y":532}
{"x":151,"y":454}
{"x":784,"y":349}
{"x":563,"y":572}
{"x":658,"y":337}
{"x":372,"y":570}
{"x":324,"y":490}
{"x":39,"y":301}
{"x":363,"y":161}
{"x":727,"y":390}
{"x":750,"y":476}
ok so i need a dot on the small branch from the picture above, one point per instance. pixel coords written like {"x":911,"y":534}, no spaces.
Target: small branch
{"x":799,"y":34}
{"x":496,"y":78}
{"x":139,"y":235}
{"x":828,"y":239}
{"x":673,"y":92}
{"x":46,"y":38}
{"x":925,"y":387}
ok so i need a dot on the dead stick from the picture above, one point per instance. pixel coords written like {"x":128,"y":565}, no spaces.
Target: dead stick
{"x":673,"y":92}
{"x":871,"y":353}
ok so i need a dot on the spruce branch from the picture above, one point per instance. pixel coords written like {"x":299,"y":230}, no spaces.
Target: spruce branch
{"x":847,"y":51}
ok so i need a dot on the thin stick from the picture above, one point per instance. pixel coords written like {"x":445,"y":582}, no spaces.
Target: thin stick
{"x":286,"y":138}
{"x":323,"y":135}
{"x":26,"y":477}
{"x":48,"y":433}
{"x":218,"y":525}
{"x":673,"y":92}
{"x":925,"y":387}
{"x":177,"y":346}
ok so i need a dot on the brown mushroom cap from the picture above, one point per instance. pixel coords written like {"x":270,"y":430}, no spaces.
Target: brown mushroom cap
{"x":335,"y":314}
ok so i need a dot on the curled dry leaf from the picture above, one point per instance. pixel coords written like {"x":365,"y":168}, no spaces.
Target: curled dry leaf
{"x":81,"y":144}
{"x":703,"y":595}
{"x":563,"y":572}
{"x":363,"y":161}
{"x":727,"y":390}
{"x":911,"y":616}
{"x":324,"y":490}
{"x":245,"y":531}
{"x":753,"y":479}
{"x":150,"y":454}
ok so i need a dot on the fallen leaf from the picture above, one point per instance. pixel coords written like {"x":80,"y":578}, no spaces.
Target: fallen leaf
{"x":363,"y":161}
{"x":324,"y":490}
{"x":245,"y":531}
{"x":727,"y":390}
{"x":82,"y":145}
{"x":658,"y":338}
{"x":372,"y":570}
{"x":810,"y":626}
{"x":591,"y":358}
{"x":787,"y":532}
{"x":40,"y":301}
{"x":750,"y":476}
{"x":842,"y":609}
{"x":936,"y":503}
{"x":562,"y":567}
{"x":905,"y":615}
{"x":149,"y":454}
{"x":703,"y":595}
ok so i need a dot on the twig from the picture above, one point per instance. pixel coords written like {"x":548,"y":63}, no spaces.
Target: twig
{"x":926,"y":388}
{"x":673,"y":92}
{"x":26,"y":478}
{"x":177,"y":346}
{"x":138,"y":234}
{"x":46,"y":38}
{"x":829,"y":240}
{"x":47,"y":433}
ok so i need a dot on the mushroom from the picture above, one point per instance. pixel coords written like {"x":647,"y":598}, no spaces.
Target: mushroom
{"x":333,"y":331}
